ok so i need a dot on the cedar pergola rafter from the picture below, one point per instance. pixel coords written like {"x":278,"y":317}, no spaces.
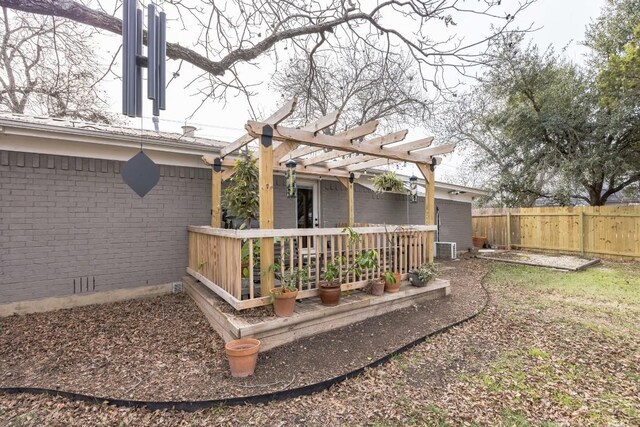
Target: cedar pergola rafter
{"x":300,"y":136}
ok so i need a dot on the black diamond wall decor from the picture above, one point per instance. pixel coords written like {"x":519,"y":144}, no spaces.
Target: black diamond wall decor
{"x":140,"y":173}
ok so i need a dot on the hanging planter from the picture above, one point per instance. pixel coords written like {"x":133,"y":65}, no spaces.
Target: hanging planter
{"x":387,"y":181}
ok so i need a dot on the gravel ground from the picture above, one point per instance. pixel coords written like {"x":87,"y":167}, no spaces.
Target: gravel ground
{"x":530,"y":359}
{"x":163,"y":348}
{"x":566,"y":262}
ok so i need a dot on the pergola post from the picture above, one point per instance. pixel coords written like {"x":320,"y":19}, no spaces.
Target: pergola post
{"x":429,"y":204}
{"x":265,"y":168}
{"x":348,"y":184}
{"x":216,"y":193}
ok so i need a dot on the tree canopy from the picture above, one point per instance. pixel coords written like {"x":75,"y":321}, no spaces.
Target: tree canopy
{"x":544,"y":130}
{"x":361,"y":82}
{"x":47,"y":67}
{"x":225,"y":39}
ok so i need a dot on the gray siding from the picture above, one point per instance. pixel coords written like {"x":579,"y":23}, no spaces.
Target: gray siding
{"x":391,"y":208}
{"x":284,"y":210}
{"x":455,"y":223}
{"x":65,"y":218}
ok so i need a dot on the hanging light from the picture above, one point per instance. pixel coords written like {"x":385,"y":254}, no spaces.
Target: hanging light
{"x":290,"y":177}
{"x":413,"y":189}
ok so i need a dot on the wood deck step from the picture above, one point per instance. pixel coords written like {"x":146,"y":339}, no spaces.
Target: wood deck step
{"x":310,"y":316}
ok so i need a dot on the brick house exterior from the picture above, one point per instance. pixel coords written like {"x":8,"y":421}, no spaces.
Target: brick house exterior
{"x":70,"y":226}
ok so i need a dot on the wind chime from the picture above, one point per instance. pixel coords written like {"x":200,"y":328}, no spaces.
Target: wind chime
{"x":290,"y":178}
{"x":140,"y":172}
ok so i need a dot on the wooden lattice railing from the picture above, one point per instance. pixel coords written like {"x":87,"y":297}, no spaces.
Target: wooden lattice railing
{"x":228,"y":261}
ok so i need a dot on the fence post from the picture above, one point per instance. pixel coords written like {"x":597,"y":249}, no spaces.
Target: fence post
{"x":508,"y":230}
{"x":581,"y":227}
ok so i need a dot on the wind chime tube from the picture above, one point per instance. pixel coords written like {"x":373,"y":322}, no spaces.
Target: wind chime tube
{"x":125,"y":58}
{"x":152,"y":46}
{"x":162,"y":58}
{"x":131,"y":58}
{"x":139,"y":20}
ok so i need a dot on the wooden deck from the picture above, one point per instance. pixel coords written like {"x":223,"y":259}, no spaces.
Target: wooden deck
{"x":310,"y":317}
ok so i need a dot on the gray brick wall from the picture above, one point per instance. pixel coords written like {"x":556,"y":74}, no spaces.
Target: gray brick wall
{"x":65,"y":218}
{"x":390,"y":208}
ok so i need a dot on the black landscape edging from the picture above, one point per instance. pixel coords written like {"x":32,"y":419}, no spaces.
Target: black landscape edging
{"x":191,"y":406}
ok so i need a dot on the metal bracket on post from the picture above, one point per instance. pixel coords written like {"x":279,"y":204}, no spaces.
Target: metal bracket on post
{"x":434,"y":162}
{"x":267,"y":136}
{"x":217,"y":164}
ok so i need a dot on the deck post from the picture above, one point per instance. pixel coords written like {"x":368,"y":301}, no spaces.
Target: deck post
{"x":266,"y":208}
{"x":429,"y":204}
{"x":216,"y":193}
{"x":348,"y":184}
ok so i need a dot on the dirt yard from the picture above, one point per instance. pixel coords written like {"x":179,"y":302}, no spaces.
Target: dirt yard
{"x":552,"y":349}
{"x":163,"y":348}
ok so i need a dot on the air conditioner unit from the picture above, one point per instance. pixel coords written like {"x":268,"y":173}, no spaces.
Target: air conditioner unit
{"x":445,"y":250}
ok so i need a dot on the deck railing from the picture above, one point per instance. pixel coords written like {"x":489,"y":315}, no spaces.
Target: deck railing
{"x":228,"y":261}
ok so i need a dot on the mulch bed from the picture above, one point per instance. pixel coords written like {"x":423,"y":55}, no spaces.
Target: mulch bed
{"x":560,"y":262}
{"x":163,"y":348}
{"x":527,"y":360}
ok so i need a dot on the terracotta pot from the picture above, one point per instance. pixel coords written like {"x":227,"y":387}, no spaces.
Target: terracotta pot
{"x":329,"y":293}
{"x":478,"y":241}
{"x":378,"y":287}
{"x":393,"y":287}
{"x":242,"y":355}
{"x":284,"y":303}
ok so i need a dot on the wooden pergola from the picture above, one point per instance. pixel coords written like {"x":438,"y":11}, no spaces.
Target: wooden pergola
{"x":343,"y":155}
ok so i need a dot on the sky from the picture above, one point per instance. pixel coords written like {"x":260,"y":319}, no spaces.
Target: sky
{"x":560,"y":23}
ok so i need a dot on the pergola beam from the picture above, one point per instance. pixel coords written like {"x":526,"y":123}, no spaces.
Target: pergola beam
{"x":384,"y":141}
{"x":353,"y":133}
{"x":283,"y":112}
{"x":380,"y":141}
{"x":334,"y":142}
{"x":229,"y":162}
{"x":281,"y":152}
{"x":376,"y":162}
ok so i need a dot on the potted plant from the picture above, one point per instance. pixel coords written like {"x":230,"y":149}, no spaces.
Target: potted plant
{"x":329,"y":286}
{"x":367,"y":259}
{"x":387,"y":181}
{"x":423,"y":275}
{"x":284,"y":296}
{"x":391,"y":281}
{"x":391,"y":278}
{"x":243,"y":356}
{"x":245,"y":264}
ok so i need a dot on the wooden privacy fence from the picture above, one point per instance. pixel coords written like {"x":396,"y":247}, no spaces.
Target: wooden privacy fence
{"x":228,"y":261}
{"x":610,"y":231}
